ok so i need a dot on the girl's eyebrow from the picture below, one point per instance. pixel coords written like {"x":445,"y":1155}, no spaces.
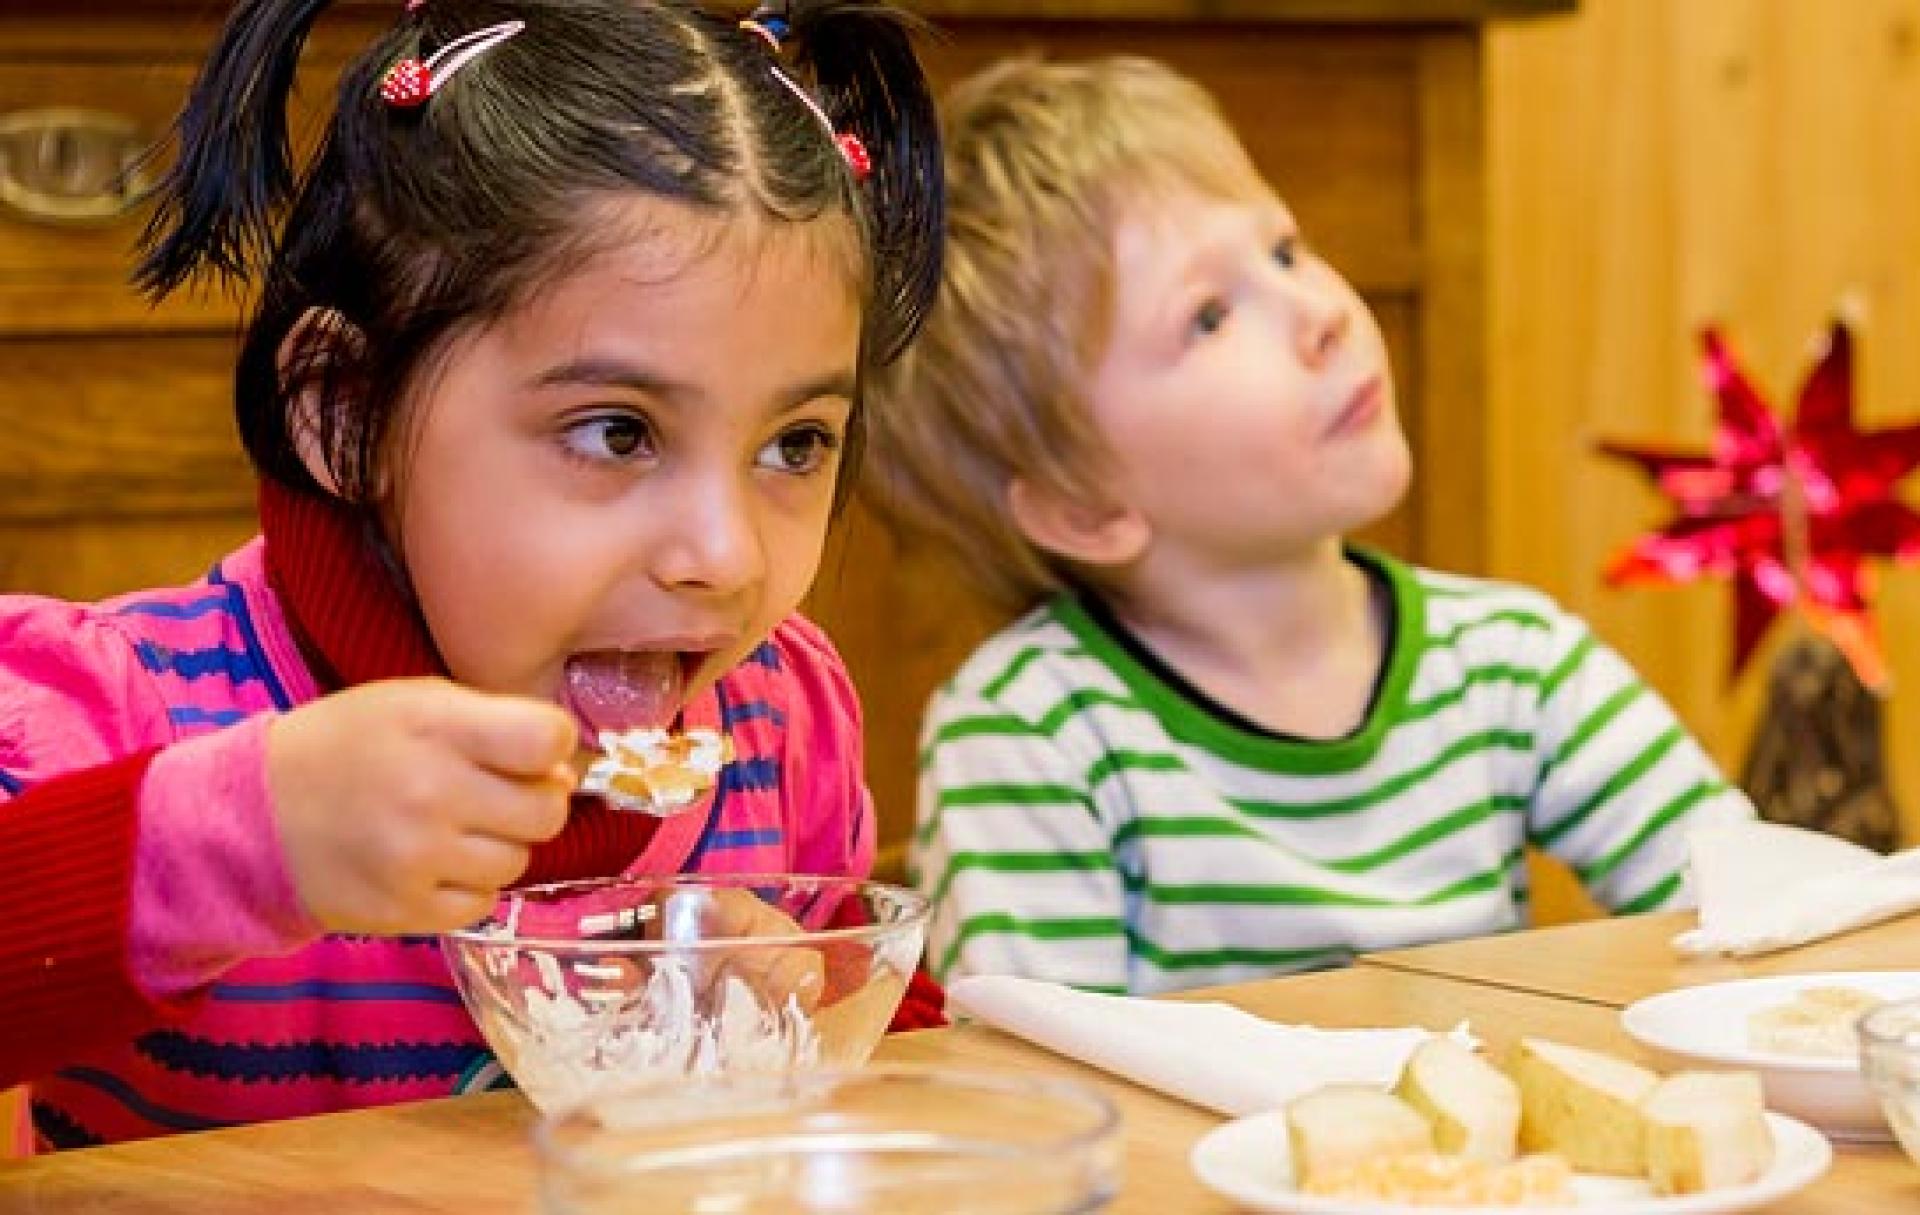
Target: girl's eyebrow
{"x":615,"y":373}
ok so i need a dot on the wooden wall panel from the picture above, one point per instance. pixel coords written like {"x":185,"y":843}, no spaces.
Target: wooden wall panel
{"x":1656,"y":166}
{"x":92,"y":559}
{"x":1330,"y":117}
{"x":121,"y":429}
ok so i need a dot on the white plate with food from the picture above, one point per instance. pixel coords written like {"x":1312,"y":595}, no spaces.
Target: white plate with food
{"x":1795,"y":1031}
{"x":1248,"y":1161}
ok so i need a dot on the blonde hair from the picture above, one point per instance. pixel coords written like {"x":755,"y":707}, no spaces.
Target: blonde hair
{"x":1041,"y":160}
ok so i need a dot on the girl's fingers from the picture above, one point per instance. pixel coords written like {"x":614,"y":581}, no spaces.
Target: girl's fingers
{"x":521,"y":812}
{"x":777,"y":975}
{"x":483,"y":862}
{"x":800,"y":974}
{"x":511,"y":736}
{"x":453,"y":907}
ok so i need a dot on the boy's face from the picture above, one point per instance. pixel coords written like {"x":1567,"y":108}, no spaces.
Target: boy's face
{"x":1244,"y":388}
{"x":613,"y":493}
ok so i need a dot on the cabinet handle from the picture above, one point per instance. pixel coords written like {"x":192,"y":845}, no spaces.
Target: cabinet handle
{"x":73,"y":166}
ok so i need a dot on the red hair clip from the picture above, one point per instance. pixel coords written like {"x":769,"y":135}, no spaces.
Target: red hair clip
{"x":410,"y":81}
{"x":856,"y":154}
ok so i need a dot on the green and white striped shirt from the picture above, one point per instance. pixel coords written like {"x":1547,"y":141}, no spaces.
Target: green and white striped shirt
{"x":1083,"y":820}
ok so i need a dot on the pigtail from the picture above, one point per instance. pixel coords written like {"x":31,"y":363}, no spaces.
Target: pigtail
{"x":860,"y":59}
{"x":233,"y":171}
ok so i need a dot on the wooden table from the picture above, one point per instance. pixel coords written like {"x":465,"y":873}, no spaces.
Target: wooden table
{"x":1615,"y":962}
{"x":471,"y":1154}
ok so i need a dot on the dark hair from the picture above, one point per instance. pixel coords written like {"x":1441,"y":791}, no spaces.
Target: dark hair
{"x":412,"y":223}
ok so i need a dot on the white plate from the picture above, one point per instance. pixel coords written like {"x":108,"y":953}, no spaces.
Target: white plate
{"x":1707,"y":1027}
{"x":1246,"y":1160}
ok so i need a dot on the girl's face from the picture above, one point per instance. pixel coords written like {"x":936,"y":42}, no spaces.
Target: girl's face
{"x":611,"y":495}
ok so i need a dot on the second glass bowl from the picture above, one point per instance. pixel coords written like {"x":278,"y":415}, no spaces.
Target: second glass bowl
{"x":892,"y":1140}
{"x":1890,"y":1060}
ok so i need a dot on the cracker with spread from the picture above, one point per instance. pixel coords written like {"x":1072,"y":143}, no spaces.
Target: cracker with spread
{"x":651,"y":771}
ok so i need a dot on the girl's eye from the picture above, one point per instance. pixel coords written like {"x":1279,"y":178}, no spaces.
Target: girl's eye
{"x":1209,"y":317}
{"x":613,"y":437}
{"x":1287,"y":252}
{"x":804,"y":449}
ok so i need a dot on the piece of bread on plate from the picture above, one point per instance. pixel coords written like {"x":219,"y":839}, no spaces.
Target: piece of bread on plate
{"x":1818,"y":1022}
{"x":1339,"y":1126}
{"x":1583,"y":1104}
{"x":1706,"y":1130}
{"x":1473,"y":1108}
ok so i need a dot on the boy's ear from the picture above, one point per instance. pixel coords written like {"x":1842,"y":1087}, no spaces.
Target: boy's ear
{"x":1090,"y":533}
{"x":319,"y":342}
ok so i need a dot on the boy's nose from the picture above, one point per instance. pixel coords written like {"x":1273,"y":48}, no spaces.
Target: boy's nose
{"x":1321,"y":321}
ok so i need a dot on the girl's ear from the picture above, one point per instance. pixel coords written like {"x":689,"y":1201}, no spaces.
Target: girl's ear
{"x":1090,"y":533}
{"x":320,"y":343}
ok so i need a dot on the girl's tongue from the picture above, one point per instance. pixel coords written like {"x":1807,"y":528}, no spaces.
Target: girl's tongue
{"x":624,"y":690}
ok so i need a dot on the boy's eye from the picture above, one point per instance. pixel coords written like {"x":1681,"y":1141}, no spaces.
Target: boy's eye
{"x":803,"y":449}
{"x":1287,"y":251}
{"x":1209,"y":317}
{"x":611,"y":437}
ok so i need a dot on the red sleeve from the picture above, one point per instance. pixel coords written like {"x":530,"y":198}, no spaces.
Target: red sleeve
{"x":66,"y":878}
{"x":923,"y":1007}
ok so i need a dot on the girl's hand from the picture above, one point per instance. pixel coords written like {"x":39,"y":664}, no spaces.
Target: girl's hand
{"x":776,"y":975}
{"x":405,"y":806}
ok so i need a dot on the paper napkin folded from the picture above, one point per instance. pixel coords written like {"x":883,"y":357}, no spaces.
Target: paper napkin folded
{"x":1766,"y":886}
{"x":1211,"y":1054}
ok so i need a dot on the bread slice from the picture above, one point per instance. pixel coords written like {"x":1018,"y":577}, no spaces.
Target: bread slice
{"x":1706,"y":1130}
{"x":1473,"y":1108}
{"x":1584,"y":1105}
{"x":1339,"y":1126}
{"x":1818,"y":1022}
{"x":1428,"y":1179}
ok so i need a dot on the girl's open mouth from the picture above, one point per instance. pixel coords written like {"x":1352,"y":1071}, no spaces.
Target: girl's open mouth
{"x":621,"y":690}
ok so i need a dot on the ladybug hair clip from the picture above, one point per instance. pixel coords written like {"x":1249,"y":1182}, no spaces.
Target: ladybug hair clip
{"x":410,"y":81}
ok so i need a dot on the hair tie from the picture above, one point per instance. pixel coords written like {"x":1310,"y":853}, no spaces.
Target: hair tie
{"x":772,"y":30}
{"x":410,"y":81}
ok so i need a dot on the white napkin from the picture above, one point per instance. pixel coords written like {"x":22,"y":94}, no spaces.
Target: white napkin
{"x":1213,"y":1055}
{"x":1765,"y":886}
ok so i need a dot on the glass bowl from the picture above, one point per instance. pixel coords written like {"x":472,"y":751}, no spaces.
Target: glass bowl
{"x":581,"y":987}
{"x":898,"y":1140}
{"x":1890,"y":1059}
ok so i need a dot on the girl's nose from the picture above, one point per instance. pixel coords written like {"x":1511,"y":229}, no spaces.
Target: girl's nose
{"x":710,"y":544}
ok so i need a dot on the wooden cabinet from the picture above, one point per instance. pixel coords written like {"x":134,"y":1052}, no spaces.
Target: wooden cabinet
{"x":118,"y":467}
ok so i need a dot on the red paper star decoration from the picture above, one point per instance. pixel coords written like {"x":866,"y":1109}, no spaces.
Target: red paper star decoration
{"x":1790,"y":515}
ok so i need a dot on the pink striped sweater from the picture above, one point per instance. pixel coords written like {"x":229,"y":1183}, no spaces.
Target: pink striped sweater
{"x":201,"y":996}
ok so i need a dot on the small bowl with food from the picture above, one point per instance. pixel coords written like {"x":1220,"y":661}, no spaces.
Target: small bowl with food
{"x":1799,"y":1033}
{"x":583,"y":987}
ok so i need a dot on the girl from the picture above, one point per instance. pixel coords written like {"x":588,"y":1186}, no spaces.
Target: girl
{"x":518,"y":485}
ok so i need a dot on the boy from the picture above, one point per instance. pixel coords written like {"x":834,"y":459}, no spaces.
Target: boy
{"x":1226,"y":744}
